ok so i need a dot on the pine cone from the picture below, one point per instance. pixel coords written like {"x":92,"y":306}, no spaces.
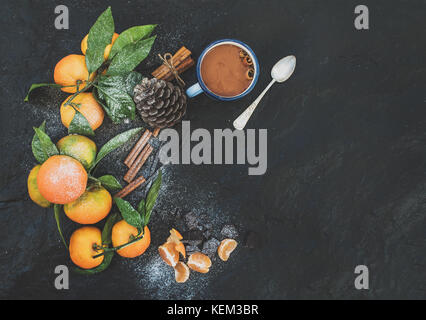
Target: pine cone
{"x":160,"y":104}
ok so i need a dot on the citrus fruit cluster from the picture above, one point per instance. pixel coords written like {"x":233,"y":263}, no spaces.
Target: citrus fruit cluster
{"x":101,"y":79}
{"x":63,"y":178}
{"x":71,"y":74}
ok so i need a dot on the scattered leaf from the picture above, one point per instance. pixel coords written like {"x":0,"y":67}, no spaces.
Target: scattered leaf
{"x":152,"y":197}
{"x":130,"y":36}
{"x":115,"y":142}
{"x":141,"y":207}
{"x":129,"y":214}
{"x":110,"y":183}
{"x":106,"y":231}
{"x":38,"y":150}
{"x":119,"y":104}
{"x":130,"y":82}
{"x":130,"y":56}
{"x":57,"y":209}
{"x":44,"y":146}
{"x":102,"y":267}
{"x":100,"y":35}
{"x":38,"y":85}
{"x":80,"y":125}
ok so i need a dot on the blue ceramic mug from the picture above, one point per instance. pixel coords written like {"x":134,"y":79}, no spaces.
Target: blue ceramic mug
{"x":200,"y":86}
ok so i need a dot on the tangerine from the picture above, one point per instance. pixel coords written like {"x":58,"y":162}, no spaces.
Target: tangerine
{"x":33,"y":191}
{"x":122,"y":233}
{"x":61,"y":179}
{"x":79,"y":147}
{"x":93,"y":206}
{"x":71,"y":71}
{"x":88,"y":107}
{"x":82,"y":247}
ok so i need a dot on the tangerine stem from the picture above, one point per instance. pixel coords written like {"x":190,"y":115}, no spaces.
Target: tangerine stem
{"x":119,"y":247}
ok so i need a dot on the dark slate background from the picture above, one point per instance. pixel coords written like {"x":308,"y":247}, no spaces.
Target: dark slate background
{"x":346,"y":179}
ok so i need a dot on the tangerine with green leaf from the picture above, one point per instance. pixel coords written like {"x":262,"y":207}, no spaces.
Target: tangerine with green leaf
{"x":87,"y":105}
{"x":83,"y":247}
{"x":123,"y":233}
{"x":33,"y":191}
{"x":93,"y":206}
{"x":80,"y":148}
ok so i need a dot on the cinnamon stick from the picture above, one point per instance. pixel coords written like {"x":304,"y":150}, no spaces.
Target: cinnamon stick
{"x":130,"y":187}
{"x":179,"y":56}
{"x":137,"y":148}
{"x":138,"y":163}
{"x":163,"y":71}
{"x":185,"y":65}
{"x":156,"y":132}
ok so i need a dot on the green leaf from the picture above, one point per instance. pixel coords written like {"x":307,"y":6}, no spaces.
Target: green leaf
{"x":130,"y":56}
{"x":80,"y":125}
{"x":100,"y":35}
{"x":106,"y":231}
{"x":116,"y":142}
{"x":130,"y":36}
{"x":38,"y":85}
{"x":44,"y":147}
{"x":152,"y":197}
{"x":141,"y":207}
{"x":102,"y":267}
{"x":129,"y":214}
{"x":110,"y":182}
{"x":119,"y":104}
{"x":57,"y":209}
{"x":130,"y":82}
{"x":38,"y":151}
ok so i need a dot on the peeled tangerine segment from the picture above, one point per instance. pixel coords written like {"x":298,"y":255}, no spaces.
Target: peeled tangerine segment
{"x":174,"y":236}
{"x":181,"y":272}
{"x":169,"y":253}
{"x":199,"y":262}
{"x":180,"y":247}
{"x":225,"y":248}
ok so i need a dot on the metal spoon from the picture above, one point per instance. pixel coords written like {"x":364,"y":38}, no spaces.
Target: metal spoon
{"x":281,"y":71}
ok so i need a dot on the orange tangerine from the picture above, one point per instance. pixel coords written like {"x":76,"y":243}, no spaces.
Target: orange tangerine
{"x":61,"y":179}
{"x":169,"y":253}
{"x":181,"y":272}
{"x":199,"y":262}
{"x":225,"y":248}
{"x":122,"y":233}
{"x":88,"y":107}
{"x":33,"y":191}
{"x":93,"y":206}
{"x":70,"y":70}
{"x":82,"y":247}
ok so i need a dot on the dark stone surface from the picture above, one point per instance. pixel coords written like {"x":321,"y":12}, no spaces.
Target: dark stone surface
{"x":346,"y":179}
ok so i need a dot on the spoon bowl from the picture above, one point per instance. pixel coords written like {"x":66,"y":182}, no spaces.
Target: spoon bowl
{"x":283,"y":69}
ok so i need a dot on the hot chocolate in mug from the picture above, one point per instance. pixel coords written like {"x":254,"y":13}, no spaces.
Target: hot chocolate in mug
{"x":226,"y":70}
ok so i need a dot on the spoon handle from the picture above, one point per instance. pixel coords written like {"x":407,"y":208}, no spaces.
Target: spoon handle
{"x":244,"y":117}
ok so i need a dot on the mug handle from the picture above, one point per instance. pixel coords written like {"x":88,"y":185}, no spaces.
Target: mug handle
{"x":194,"y":90}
